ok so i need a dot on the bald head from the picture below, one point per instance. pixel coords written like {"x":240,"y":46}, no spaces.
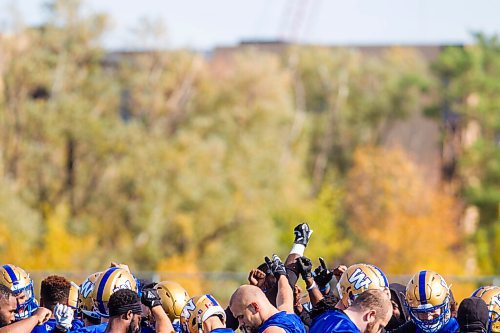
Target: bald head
{"x":247,"y":294}
{"x":374,"y":299}
{"x":251,"y":307}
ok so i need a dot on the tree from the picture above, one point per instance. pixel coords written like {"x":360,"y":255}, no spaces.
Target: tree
{"x":470,"y":90}
{"x":352,"y":99}
{"x":397,"y":221}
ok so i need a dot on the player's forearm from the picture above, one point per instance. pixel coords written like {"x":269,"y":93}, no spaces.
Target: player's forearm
{"x":284,"y":299}
{"x":22,"y":326}
{"x":162,"y":322}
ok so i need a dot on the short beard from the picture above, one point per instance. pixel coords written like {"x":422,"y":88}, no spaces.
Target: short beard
{"x":3,"y":323}
{"x":132,"y":329}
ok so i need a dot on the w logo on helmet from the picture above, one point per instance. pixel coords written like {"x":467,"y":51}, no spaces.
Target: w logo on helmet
{"x":125,"y":285}
{"x":359,"y":279}
{"x":188,"y":308}
{"x":495,"y":300}
{"x":86,"y":288}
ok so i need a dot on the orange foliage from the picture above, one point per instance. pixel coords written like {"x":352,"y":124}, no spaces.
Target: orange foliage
{"x":402,"y":224}
{"x":184,"y":270}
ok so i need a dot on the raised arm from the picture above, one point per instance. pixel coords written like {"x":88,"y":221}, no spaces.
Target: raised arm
{"x":284,"y":299}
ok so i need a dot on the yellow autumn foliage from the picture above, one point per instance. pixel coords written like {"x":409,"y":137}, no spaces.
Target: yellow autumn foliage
{"x":401,"y":224}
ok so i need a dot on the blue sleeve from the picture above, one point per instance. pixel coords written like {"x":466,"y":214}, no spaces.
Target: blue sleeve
{"x":76,"y":324}
{"x":39,"y":329}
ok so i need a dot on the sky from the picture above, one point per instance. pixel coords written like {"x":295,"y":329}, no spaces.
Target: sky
{"x":203,"y":24}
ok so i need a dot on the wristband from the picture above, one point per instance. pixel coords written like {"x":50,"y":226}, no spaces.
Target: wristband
{"x":324,"y":289}
{"x":314,"y":285}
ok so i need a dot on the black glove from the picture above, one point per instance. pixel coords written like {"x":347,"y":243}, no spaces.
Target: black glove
{"x":322,"y":275}
{"x":302,"y":234}
{"x":304,"y":266}
{"x":276,"y":266}
{"x":150,"y":298}
{"x":150,"y":285}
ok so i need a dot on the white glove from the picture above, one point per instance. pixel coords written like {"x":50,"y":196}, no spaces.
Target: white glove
{"x":64,"y":316}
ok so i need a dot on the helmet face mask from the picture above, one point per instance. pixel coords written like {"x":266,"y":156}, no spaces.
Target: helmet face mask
{"x":21,"y":285}
{"x":434,"y":324}
{"x":428,"y":301}
{"x":25,"y":309}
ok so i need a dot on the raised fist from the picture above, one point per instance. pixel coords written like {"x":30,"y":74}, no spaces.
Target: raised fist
{"x":42,"y":315}
{"x":256,"y":277}
{"x":276,"y":266}
{"x":304,"y":266}
{"x":302,"y":234}
{"x":150,"y":298}
{"x":64,"y":316}
{"x":338,"y":271}
{"x":322,"y":275}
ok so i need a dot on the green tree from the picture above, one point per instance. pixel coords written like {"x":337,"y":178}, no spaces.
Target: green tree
{"x":471,"y":90}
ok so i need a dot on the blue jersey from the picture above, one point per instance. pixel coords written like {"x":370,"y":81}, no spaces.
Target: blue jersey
{"x":333,"y":321}
{"x":222,"y":330}
{"x":291,"y":323}
{"x":177,"y":326}
{"x":50,"y":325}
{"x":91,"y":329}
{"x":147,"y":329}
{"x":450,"y":327}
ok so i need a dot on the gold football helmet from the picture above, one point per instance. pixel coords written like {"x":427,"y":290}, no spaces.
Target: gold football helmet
{"x":427,"y":292}
{"x":197,"y":310}
{"x":173,"y":298}
{"x":358,"y":278}
{"x":107,"y":283}
{"x":73,"y":296}
{"x":17,"y":280}
{"x":491,"y":296}
{"x":85,"y":300}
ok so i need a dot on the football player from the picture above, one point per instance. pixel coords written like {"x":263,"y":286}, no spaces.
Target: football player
{"x":203,"y":314}
{"x":427,"y":299}
{"x":355,"y":280}
{"x":86,"y":303}
{"x":491,"y":296}
{"x":17,"y":280}
{"x":8,"y":308}
{"x":173,"y":298}
{"x":369,"y":312}
{"x":254,"y":311}
{"x":108,"y":282}
{"x":54,"y":295}
{"x":124,"y":310}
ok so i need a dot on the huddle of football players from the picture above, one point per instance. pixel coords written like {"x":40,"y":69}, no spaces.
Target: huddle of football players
{"x":362,"y":302}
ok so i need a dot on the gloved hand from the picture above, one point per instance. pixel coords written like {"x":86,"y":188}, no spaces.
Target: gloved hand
{"x":64,"y":316}
{"x":150,"y":285}
{"x":304,"y":266}
{"x":322,"y":275}
{"x":276,"y":266}
{"x":150,"y":297}
{"x":302,"y":234}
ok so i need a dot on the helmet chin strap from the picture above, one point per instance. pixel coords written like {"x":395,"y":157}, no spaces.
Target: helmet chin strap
{"x":200,"y":324}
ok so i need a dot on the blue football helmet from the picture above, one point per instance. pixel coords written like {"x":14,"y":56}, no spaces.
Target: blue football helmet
{"x":17,"y":280}
{"x":428,"y":301}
